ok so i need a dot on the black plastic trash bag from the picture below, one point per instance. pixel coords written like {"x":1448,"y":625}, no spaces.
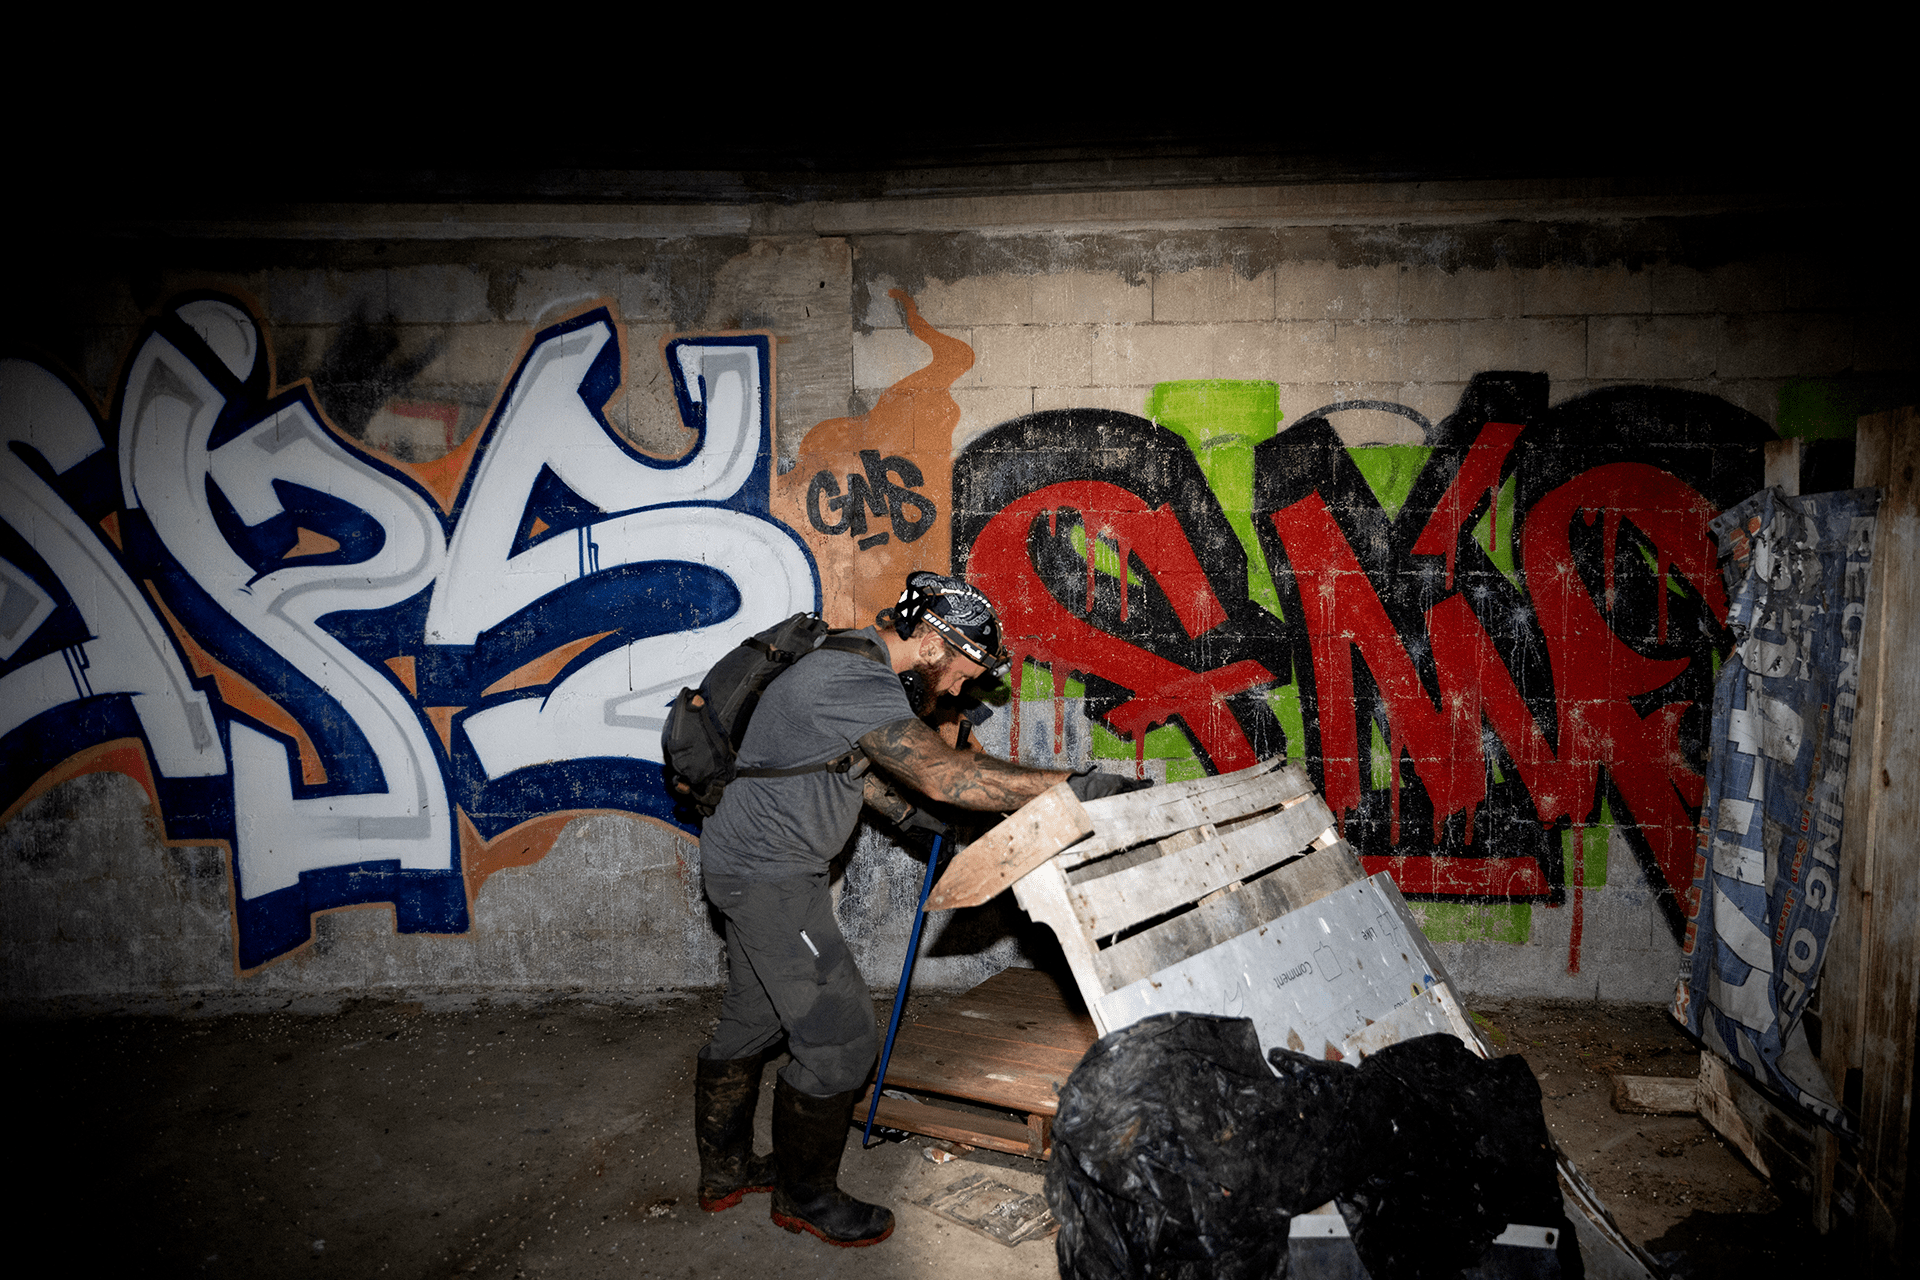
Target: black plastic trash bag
{"x":1177,"y":1153}
{"x":1448,"y":1149}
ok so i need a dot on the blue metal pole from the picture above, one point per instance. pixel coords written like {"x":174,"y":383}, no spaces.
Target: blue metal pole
{"x":900,"y":996}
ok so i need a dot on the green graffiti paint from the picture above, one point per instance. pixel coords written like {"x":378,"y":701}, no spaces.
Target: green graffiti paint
{"x":1185,"y":770}
{"x":1164,"y":742}
{"x":1168,"y":742}
{"x":1475,"y":922}
{"x":1284,"y":702}
{"x":1036,"y":684}
{"x":1222,"y":421}
{"x":1382,"y":760}
{"x":1821,"y":409}
{"x":1390,"y":470}
{"x":1653,"y":563}
{"x":1106,"y":556}
{"x":1593,"y":848}
{"x":1494,"y":533}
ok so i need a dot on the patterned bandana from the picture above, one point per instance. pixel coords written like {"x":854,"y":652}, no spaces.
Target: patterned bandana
{"x":959,"y":613}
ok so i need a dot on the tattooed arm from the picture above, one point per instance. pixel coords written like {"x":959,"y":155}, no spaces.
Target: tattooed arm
{"x":884,"y":800}
{"x":918,"y":756}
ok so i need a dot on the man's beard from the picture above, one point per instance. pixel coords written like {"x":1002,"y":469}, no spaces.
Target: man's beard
{"x":922,"y":683}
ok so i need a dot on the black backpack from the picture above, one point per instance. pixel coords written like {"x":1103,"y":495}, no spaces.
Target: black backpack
{"x":702,"y":736}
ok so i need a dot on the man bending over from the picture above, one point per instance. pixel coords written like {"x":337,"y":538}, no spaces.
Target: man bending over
{"x":764,"y":856}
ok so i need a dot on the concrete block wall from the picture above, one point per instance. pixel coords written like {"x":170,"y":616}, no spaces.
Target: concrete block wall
{"x":1012,"y":350}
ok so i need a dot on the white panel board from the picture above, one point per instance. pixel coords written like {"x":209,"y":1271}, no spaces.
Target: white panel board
{"x":1315,"y":977}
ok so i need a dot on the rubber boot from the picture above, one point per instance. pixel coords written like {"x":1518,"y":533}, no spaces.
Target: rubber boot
{"x":809,"y":1135}
{"x":725,"y":1092}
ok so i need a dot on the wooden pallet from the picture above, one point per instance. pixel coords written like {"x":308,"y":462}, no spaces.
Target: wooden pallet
{"x":1212,"y":896}
{"x":1009,"y":1045}
{"x":1191,"y":896}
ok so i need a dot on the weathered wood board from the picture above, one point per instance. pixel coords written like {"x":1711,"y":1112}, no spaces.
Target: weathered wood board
{"x":1111,"y":903}
{"x":1782,"y":1146}
{"x":1010,"y":1043}
{"x":1656,"y":1095}
{"x":1027,"y":837}
{"x":1870,"y":985}
{"x":1123,"y":821}
{"x":1228,"y":914}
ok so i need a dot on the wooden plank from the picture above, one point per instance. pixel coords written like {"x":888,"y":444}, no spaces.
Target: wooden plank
{"x":1837,"y":1000}
{"x":1015,"y":1004}
{"x":1656,"y":1095}
{"x":1010,"y":1043}
{"x":1013,"y":1077}
{"x":1042,"y":894}
{"x":1040,"y":1136}
{"x":1139,"y":855}
{"x":1288,"y":888}
{"x":1027,"y":837}
{"x":1719,"y":1109}
{"x":1871,"y":978}
{"x":1113,"y":903}
{"x":1779,"y":1145}
{"x":1126,"y":820}
{"x":1066,"y":1033}
{"x":988,"y":1051}
{"x":991,"y":1132}
{"x":1783,"y":465}
{"x":1032,"y":990}
{"x":1054,"y":1047}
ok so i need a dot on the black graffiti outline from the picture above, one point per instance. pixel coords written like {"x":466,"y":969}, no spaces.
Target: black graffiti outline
{"x":875,"y":491}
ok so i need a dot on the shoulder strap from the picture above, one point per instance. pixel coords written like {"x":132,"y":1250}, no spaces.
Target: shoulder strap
{"x":854,"y":761}
{"x":854,"y":642}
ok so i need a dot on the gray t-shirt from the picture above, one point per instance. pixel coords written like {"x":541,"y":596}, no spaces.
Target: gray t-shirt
{"x":773,"y":828}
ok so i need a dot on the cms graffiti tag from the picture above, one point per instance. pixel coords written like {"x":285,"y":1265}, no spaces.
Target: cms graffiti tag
{"x":355,"y":673}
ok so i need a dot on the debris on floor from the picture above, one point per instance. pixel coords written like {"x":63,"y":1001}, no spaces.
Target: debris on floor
{"x":992,"y":1208}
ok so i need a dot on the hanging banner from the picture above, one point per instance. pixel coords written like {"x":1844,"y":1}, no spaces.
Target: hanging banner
{"x":1766,"y":872}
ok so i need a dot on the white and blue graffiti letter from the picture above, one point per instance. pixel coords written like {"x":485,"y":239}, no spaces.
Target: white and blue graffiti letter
{"x":548,"y":621}
{"x":668,"y":565}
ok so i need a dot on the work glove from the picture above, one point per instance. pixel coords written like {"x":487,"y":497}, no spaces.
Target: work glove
{"x":1092,"y":784}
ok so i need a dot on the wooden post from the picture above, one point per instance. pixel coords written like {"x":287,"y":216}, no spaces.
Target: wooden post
{"x":1871,"y":977}
{"x":1783,"y":465}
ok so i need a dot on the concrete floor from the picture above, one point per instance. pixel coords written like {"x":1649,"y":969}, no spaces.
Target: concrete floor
{"x":459,"y":1137}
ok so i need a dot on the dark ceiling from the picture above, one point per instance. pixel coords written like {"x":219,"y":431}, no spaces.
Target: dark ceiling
{"x":792,"y":159}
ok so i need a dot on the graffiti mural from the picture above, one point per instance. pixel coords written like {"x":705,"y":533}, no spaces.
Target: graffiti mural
{"x":1484,"y":646}
{"x":374,"y":682}
{"x":378,"y":681}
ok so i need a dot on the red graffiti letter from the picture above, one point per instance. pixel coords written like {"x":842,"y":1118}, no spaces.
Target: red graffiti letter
{"x":1595,"y":673}
{"x":1038,"y":626}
